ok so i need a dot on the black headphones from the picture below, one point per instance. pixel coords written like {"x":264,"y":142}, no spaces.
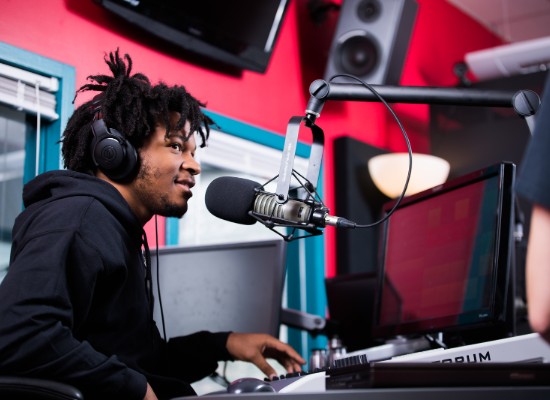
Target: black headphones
{"x":112,"y":153}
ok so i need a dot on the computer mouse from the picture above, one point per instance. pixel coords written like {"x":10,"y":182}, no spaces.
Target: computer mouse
{"x":249,"y":385}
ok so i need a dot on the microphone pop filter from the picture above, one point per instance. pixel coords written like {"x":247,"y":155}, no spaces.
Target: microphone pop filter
{"x":231,"y":199}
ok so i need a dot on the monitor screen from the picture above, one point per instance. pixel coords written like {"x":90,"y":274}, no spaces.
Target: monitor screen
{"x":446,"y":257}
{"x":240,"y":33}
{"x":227,"y":287}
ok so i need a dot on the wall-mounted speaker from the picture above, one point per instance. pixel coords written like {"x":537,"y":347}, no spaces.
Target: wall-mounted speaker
{"x":371,"y":40}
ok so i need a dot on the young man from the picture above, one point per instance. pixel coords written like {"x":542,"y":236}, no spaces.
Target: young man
{"x":76,"y":304}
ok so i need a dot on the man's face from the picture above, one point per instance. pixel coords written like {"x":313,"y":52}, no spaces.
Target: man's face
{"x":166,"y":176}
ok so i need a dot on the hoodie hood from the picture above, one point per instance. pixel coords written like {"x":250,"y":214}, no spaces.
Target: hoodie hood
{"x":56,"y":185}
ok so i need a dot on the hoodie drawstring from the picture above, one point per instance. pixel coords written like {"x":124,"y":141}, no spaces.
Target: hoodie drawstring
{"x":146,"y":254}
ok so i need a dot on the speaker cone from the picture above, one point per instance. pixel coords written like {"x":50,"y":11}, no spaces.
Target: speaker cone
{"x":357,"y":54}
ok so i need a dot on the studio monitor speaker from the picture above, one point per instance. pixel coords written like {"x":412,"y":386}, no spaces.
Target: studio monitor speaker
{"x":371,"y":40}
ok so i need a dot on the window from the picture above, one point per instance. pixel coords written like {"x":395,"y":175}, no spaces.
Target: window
{"x":28,"y":145}
{"x":12,"y":158}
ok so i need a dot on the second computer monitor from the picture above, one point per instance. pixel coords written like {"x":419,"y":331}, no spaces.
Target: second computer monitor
{"x":446,"y":259}
{"x":226,"y":287}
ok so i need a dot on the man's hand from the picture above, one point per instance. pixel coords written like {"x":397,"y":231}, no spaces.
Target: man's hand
{"x":538,"y":272}
{"x":256,"y":347}
{"x":150,"y":395}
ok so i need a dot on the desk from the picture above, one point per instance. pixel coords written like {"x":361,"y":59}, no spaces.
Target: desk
{"x":448,"y":393}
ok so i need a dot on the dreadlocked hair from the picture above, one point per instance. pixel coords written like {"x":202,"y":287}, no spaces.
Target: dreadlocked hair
{"x":132,"y":106}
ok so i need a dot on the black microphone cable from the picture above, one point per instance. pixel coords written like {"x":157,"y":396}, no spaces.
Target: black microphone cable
{"x":255,"y":204}
{"x":407,"y":142}
{"x":158,"y":278}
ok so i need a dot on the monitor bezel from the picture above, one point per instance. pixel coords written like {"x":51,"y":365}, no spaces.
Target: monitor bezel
{"x":249,"y":56}
{"x":499,"y":321}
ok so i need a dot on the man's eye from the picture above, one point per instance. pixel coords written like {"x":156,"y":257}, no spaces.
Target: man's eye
{"x":176,"y":146}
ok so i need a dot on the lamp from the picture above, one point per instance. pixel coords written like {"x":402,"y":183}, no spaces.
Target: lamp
{"x":389,"y":171}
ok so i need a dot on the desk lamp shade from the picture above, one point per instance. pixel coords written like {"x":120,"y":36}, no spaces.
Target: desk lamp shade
{"x":389,"y":171}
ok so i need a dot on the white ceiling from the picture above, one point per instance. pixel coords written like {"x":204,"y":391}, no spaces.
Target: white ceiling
{"x":512,"y":20}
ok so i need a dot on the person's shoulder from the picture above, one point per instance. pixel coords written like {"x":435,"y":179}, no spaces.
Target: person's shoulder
{"x":68,"y":209}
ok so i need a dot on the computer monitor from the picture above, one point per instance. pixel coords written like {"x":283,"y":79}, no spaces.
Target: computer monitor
{"x":240,"y":33}
{"x":446,"y":260}
{"x":226,"y":287}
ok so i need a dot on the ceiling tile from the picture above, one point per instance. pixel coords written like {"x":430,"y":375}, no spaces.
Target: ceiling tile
{"x":512,"y":20}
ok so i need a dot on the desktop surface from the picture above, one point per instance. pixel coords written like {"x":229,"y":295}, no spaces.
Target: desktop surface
{"x":425,"y":393}
{"x":509,"y":380}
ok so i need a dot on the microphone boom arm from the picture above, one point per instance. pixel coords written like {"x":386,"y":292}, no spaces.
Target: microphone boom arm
{"x":524,"y":102}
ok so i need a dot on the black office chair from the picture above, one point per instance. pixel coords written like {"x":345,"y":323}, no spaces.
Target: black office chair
{"x":23,"y":388}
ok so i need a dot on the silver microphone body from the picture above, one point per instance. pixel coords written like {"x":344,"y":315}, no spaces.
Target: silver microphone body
{"x":244,"y":202}
{"x":295,"y":211}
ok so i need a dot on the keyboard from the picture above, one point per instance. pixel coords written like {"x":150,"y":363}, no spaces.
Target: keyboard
{"x":508,"y":360}
{"x":523,"y":348}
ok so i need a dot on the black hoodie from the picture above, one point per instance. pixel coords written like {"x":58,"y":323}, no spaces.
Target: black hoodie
{"x":74,"y":305}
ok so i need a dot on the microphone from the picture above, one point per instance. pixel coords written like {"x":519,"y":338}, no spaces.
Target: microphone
{"x":244,"y":202}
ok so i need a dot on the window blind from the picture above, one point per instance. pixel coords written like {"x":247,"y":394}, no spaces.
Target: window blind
{"x":236,"y":154}
{"x":19,"y":88}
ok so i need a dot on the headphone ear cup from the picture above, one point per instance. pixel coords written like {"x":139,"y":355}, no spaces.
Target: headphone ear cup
{"x":129,"y":167}
{"x":112,"y":153}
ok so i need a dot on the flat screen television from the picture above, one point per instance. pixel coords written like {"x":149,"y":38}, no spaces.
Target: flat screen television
{"x":446,"y":261}
{"x":240,"y":33}
{"x":225,"y":287}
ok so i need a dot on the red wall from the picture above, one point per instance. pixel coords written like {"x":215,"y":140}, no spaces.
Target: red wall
{"x":78,"y":32}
